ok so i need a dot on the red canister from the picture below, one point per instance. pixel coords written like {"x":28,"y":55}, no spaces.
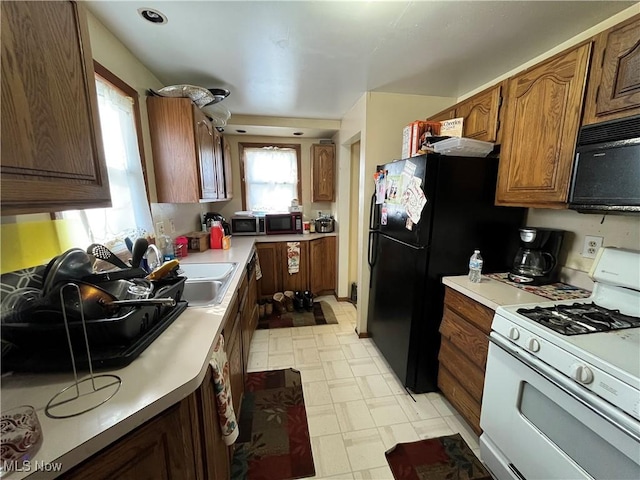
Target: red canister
{"x":181,"y":246}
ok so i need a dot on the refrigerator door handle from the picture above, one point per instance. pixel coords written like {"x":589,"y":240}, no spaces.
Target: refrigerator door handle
{"x":372,"y":247}
{"x":373,"y":224}
{"x":409,"y":245}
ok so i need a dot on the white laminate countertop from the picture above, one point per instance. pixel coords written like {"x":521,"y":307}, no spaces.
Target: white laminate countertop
{"x":170,"y":369}
{"x":491,"y":293}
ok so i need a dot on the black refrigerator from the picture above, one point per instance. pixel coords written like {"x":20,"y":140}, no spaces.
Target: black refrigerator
{"x":427,"y":216}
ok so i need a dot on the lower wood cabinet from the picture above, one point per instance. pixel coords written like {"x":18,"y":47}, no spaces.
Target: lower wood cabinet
{"x":322,"y":265}
{"x":465,"y":327}
{"x":162,"y":448}
{"x":317,"y":271}
{"x":275,"y":268}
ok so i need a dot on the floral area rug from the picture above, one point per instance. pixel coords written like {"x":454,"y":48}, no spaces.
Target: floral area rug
{"x":441,"y":458}
{"x":274,"y":437}
{"x":320,"y":314}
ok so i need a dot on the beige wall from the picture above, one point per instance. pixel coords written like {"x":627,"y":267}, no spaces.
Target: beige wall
{"x":352,"y":129}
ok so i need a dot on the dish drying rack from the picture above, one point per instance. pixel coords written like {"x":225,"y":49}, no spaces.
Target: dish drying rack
{"x":71,"y":401}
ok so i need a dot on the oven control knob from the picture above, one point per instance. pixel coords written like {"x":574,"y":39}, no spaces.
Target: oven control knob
{"x":581,"y":374}
{"x":514,"y":333}
{"x":533,"y":345}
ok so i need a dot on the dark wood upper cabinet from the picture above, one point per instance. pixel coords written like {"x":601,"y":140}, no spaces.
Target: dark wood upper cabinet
{"x":323,"y":164}
{"x":52,"y":153}
{"x":543,"y":111}
{"x":614,"y":78}
{"x":480,"y":114}
{"x":187,"y":152}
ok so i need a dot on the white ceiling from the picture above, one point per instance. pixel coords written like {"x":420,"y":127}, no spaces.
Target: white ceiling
{"x":314,"y":59}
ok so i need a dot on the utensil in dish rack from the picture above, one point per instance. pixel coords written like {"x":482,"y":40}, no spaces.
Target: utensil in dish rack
{"x":103,"y":253}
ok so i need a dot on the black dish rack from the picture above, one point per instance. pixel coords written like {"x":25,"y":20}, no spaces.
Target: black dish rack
{"x":41,"y":344}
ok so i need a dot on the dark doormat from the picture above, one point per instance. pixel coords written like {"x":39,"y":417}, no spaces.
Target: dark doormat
{"x":441,"y":458}
{"x":274,"y":437}
{"x":320,"y":314}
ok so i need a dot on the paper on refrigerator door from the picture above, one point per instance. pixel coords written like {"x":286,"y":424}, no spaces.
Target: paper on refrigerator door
{"x":380,"y":179}
{"x":414,"y":199}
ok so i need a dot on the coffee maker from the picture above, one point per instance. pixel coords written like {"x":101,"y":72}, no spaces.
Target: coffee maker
{"x":210,"y":217}
{"x":536,"y":262}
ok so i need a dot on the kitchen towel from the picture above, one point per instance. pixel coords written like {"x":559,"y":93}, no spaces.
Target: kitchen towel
{"x":258,"y":269}
{"x":222,"y":388}
{"x":293,"y":257}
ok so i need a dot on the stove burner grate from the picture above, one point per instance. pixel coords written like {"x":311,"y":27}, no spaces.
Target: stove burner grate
{"x":580,"y":318}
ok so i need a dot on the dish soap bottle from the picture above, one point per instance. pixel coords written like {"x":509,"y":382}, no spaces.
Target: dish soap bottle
{"x":475,"y":267}
{"x":215,"y":240}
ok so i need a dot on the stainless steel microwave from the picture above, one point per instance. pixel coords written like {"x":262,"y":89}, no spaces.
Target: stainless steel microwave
{"x":606,"y":171}
{"x":278,"y":223}
{"x":247,"y":225}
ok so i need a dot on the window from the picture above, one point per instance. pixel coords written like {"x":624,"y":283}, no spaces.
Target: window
{"x":271,"y":176}
{"x":129,"y":215}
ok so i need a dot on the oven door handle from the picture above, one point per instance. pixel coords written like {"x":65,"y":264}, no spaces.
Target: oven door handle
{"x":590,"y":400}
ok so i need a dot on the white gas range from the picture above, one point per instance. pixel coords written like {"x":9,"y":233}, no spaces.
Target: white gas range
{"x":562,"y":387}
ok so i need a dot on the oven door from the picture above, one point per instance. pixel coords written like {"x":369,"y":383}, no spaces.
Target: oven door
{"x":538,"y":424}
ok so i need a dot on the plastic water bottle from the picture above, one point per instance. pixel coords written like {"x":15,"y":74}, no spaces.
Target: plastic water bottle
{"x":475,"y":267}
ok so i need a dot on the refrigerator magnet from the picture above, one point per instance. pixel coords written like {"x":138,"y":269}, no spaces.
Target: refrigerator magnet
{"x":383,"y":216}
{"x":409,"y":224}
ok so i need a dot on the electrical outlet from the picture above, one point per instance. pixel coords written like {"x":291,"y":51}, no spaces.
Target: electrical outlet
{"x":159,"y":228}
{"x":591,"y":246}
{"x":172,"y":226}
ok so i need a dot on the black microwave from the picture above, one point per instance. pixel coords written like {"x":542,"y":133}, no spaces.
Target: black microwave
{"x":277,"y":223}
{"x":247,"y":225}
{"x":606,"y":171}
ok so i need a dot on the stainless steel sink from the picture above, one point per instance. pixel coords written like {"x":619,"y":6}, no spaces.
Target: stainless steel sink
{"x":206,"y":283}
{"x":216,"y":271}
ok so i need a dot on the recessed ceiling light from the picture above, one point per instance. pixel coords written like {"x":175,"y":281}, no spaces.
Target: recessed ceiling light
{"x":297,"y":134}
{"x":241,"y":131}
{"x":153,"y":16}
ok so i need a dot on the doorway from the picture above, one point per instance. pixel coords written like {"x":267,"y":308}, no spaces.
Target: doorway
{"x":354,"y":215}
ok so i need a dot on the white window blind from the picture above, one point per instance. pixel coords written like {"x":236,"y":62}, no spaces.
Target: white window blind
{"x":271,"y":178}
{"x":130,"y":214}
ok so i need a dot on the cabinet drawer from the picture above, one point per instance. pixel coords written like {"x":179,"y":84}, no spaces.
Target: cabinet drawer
{"x":465,"y":337}
{"x":471,"y":310}
{"x":460,"y":399}
{"x":468,"y":375}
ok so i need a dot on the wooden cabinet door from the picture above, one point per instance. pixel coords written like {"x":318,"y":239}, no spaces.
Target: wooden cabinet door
{"x":541,"y":126}
{"x":323,"y":158}
{"x":233,"y":347}
{"x":205,"y":144}
{"x":322,"y":261}
{"x":214,"y":451}
{"x":447,"y":114}
{"x":480,"y":114}
{"x":218,"y":163}
{"x":173,"y":141}
{"x":614,"y":78}
{"x":52,"y":152}
{"x":160,"y":449}
{"x":294,"y":281}
{"x":228,"y":177}
{"x":269,"y":255}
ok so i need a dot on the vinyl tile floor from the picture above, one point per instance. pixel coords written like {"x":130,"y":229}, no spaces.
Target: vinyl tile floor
{"x":356,"y":407}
